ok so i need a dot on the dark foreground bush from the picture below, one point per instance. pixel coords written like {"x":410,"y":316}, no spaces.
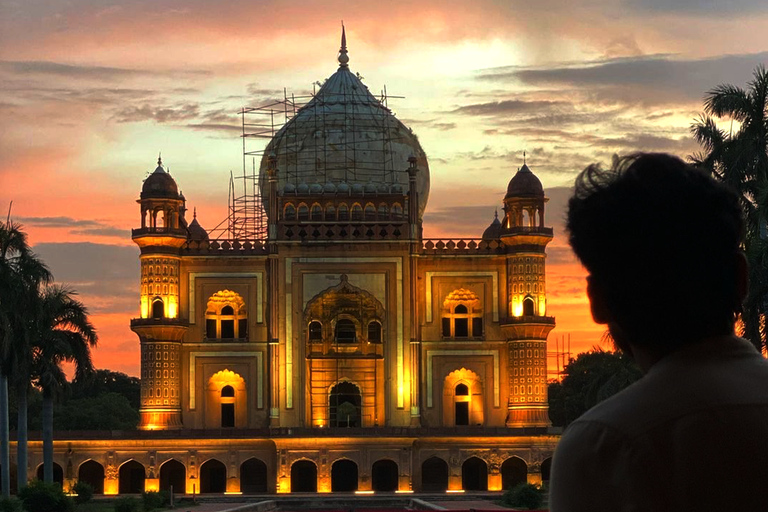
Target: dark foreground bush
{"x":526,"y":496}
{"x":126,"y":504}
{"x":154,"y":500}
{"x":10,"y":505}
{"x":39,"y":496}
{"x":84,"y":492}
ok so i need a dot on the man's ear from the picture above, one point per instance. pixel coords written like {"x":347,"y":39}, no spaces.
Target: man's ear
{"x":598,"y":302}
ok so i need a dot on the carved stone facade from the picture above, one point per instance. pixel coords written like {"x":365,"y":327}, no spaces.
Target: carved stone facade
{"x":342,"y":351}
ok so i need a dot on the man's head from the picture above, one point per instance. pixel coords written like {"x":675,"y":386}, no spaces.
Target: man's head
{"x":661,"y":241}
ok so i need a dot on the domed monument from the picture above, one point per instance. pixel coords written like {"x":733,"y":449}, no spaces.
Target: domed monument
{"x":321,"y":311}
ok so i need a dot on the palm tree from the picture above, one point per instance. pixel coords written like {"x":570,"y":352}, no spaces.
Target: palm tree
{"x":62,"y":333}
{"x":739,"y":158}
{"x":20,"y":276}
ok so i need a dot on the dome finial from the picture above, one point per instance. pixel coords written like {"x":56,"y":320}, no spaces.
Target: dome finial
{"x":194,"y":213}
{"x":496,"y":214}
{"x":343,"y":57}
{"x":523,"y":157}
{"x":159,"y":159}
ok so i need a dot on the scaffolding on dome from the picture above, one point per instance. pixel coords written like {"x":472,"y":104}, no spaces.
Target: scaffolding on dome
{"x":247,"y":218}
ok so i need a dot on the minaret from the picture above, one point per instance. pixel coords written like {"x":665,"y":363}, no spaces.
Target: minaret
{"x":160,"y":328}
{"x":527,"y":326}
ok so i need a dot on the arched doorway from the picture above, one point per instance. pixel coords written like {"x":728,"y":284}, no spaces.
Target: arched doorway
{"x":58,"y":473}
{"x":344,"y":476}
{"x":384,"y":476}
{"x":546,"y":467}
{"x":227,"y":407}
{"x":253,"y":476}
{"x":303,"y":476}
{"x":514,"y":471}
{"x":92,"y":473}
{"x":474,"y":475}
{"x":131,"y":476}
{"x":213,"y":477}
{"x":173,"y":473}
{"x":345,"y":404}
{"x":434,"y":475}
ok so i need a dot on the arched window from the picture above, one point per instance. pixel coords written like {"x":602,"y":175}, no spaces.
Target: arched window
{"x":303,"y":212}
{"x":370,"y":212}
{"x":461,"y":404}
{"x":383,"y":212}
{"x":343,"y":212}
{"x":315,"y":332}
{"x":397,"y":211}
{"x":345,"y":331}
{"x":528,"y":307}
{"x":226,"y":317}
{"x":158,"y":311}
{"x":227,"y":407}
{"x":357,"y":212}
{"x":289,"y":213}
{"x":317,"y":212}
{"x":330,"y":213}
{"x":374,"y":332}
{"x":462,"y":315}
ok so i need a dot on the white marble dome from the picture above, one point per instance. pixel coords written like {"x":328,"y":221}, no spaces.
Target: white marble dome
{"x":344,"y":135}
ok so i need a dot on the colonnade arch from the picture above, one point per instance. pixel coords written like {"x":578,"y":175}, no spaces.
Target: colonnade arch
{"x":131,"y":477}
{"x":173,"y":474}
{"x":253,"y":476}
{"x":384,"y":475}
{"x":474,"y":475}
{"x":514,"y":471}
{"x":434,"y":475}
{"x":304,"y":476}
{"x":344,"y":476}
{"x":58,"y":473}
{"x":92,"y":473}
{"x":213,"y":477}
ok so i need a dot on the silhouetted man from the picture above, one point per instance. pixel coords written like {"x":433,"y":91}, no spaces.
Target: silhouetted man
{"x":661,"y":241}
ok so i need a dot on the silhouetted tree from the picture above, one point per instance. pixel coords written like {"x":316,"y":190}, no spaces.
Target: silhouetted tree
{"x":738,"y":157}
{"x":589,"y":379}
{"x":62,"y":333}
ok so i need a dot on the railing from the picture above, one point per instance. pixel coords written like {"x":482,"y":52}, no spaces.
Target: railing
{"x":159,"y":321}
{"x":353,"y":231}
{"x":532,"y":319}
{"x":462,"y":246}
{"x":224,"y":247}
{"x":522,"y":230}
{"x":166,"y":231}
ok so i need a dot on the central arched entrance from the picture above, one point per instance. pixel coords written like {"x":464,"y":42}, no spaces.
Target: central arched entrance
{"x":434,"y":475}
{"x":344,"y":476}
{"x":384,"y":476}
{"x":213,"y":477}
{"x":303,"y":476}
{"x":474,"y":475}
{"x":173,"y":474}
{"x":345,"y":405}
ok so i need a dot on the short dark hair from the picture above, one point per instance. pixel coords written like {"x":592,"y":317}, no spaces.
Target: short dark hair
{"x":661,"y":239}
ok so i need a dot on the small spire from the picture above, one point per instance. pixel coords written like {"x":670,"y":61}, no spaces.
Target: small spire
{"x":159,"y":159}
{"x":194,"y":213}
{"x":496,"y":214}
{"x":523,"y":157}
{"x":343,"y":57}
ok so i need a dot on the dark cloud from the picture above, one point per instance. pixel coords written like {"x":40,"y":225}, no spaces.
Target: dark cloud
{"x":76,"y":226}
{"x":509,"y":107}
{"x":650,"y":78}
{"x":104,"y":275}
{"x":228,"y":128}
{"x":470,"y":221}
{"x":706,"y":8}
{"x":159,"y":114}
{"x":90,"y":72}
{"x":430,"y":123}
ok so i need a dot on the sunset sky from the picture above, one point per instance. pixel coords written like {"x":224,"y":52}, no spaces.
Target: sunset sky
{"x":92,"y":90}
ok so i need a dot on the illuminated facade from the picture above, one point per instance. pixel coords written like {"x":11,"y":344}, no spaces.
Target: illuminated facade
{"x":342,"y":343}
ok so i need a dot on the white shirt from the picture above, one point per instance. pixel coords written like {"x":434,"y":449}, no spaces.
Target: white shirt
{"x":692,"y":434}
